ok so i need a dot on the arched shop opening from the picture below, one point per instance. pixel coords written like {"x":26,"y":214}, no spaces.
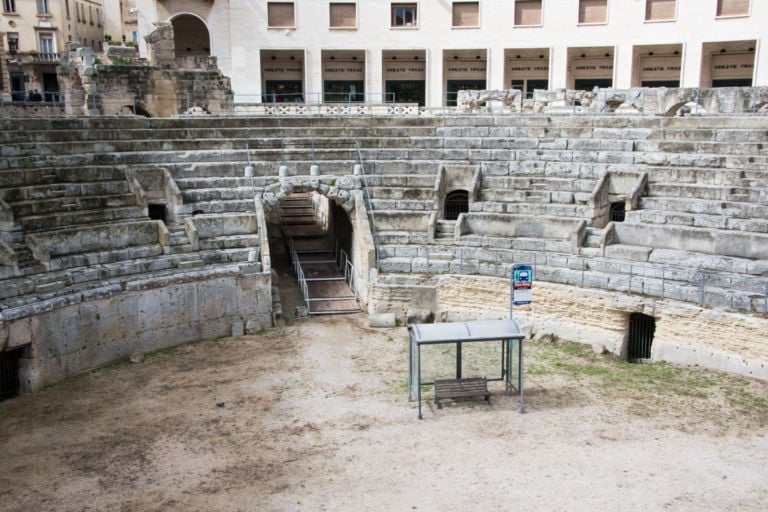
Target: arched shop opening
{"x":190,"y":36}
{"x":404,"y":75}
{"x":657,"y":65}
{"x":464,"y":70}
{"x":590,"y":67}
{"x":526,"y":69}
{"x":728,"y":64}
{"x":343,"y":76}
{"x":282,"y":73}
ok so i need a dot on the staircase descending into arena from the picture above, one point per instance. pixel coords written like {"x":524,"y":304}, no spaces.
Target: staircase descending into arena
{"x":323,"y":270}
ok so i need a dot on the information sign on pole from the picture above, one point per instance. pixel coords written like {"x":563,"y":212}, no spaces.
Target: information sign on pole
{"x":522,"y":280}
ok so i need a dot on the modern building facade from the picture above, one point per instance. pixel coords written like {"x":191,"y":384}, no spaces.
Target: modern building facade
{"x":425,"y":51}
{"x":34,"y":35}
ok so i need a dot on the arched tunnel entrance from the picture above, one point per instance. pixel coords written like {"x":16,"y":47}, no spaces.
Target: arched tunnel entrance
{"x":190,"y":36}
{"x":319,"y":240}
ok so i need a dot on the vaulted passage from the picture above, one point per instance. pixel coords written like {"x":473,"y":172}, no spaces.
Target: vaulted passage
{"x":319,"y":237}
{"x":9,"y":373}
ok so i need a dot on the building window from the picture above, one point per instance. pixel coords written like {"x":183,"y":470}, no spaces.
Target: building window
{"x":13,"y":42}
{"x":593,"y":11}
{"x":466,"y":14}
{"x":45,"y":40}
{"x":42,"y":7}
{"x":90,"y":14}
{"x":280,"y":15}
{"x":732,"y":8}
{"x":659,"y":10}
{"x":9,"y":5}
{"x":343,"y":15}
{"x":527,"y":12}
{"x":404,"y":15}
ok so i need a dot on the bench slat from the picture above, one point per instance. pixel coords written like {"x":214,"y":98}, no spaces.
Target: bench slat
{"x":460,"y":388}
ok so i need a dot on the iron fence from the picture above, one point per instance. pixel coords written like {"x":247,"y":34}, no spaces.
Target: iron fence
{"x":643,"y":101}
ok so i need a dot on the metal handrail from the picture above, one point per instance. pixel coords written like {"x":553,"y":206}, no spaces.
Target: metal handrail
{"x":368,"y":203}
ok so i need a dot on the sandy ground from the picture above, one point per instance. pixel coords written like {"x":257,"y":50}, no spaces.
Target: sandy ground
{"x":314,"y":416}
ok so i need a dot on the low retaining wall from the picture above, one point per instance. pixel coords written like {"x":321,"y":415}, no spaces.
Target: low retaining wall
{"x":72,"y":334}
{"x":685,"y":334}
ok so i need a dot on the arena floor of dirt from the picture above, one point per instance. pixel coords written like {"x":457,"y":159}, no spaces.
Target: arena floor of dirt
{"x":314,"y":416}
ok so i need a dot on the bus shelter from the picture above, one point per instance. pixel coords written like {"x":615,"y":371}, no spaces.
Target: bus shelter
{"x":506,"y":332}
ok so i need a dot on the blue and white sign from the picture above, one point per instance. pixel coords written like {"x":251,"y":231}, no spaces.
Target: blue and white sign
{"x":522,"y":281}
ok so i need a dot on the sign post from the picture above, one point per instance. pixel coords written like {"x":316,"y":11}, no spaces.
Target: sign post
{"x":521,"y":281}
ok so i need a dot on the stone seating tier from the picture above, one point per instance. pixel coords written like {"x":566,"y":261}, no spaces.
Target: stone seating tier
{"x":714,"y":242}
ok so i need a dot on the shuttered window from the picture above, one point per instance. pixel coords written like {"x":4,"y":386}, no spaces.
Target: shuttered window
{"x":343,"y":15}
{"x":527,"y":12}
{"x":593,"y":11}
{"x":280,"y":15}
{"x":466,"y":14}
{"x":659,"y":10}
{"x":732,"y":7}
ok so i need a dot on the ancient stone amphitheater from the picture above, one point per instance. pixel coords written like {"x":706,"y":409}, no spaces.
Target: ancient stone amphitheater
{"x":122,"y":235}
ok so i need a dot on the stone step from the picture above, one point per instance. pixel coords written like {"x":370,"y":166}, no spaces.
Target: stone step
{"x":403,"y":204}
{"x":697,"y":176}
{"x":216,"y":194}
{"x":538,"y":209}
{"x":702,"y":206}
{"x":707,"y":192}
{"x":381,"y":192}
{"x":698,"y":220}
{"x":62,"y":219}
{"x":402,"y":180}
{"x":69,"y":204}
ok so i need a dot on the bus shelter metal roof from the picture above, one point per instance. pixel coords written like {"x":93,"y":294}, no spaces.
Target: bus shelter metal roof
{"x":507,"y":331}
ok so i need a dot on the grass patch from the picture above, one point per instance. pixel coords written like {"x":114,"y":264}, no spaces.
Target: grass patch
{"x":692,"y":390}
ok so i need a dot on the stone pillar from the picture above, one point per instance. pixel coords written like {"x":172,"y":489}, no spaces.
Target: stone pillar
{"x":374,"y":82}
{"x":558,"y":68}
{"x":691,"y":72}
{"x":496,"y":69}
{"x":622,"y":66}
{"x":162,"y":49}
{"x":435,"y":80}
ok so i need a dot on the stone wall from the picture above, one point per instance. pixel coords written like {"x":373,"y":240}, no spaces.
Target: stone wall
{"x":90,"y":330}
{"x":685,"y":334}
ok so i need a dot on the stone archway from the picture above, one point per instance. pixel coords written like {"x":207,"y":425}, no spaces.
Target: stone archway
{"x":344,"y":200}
{"x":190,"y":36}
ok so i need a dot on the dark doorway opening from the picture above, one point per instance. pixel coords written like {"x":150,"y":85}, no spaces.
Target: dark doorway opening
{"x":283,"y":91}
{"x":732,"y":82}
{"x":641,"y":330}
{"x":51,"y":88}
{"x":341,"y":228}
{"x":9,"y":373}
{"x":454,"y":86}
{"x":618,"y":212}
{"x":406,"y":91}
{"x":456,"y":202}
{"x":157,"y":212}
{"x":527,"y":86}
{"x":588,"y":84}
{"x":343,"y":91}
{"x":660,"y":83}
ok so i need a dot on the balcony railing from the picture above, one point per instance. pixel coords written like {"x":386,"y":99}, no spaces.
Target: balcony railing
{"x":33,"y":57}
